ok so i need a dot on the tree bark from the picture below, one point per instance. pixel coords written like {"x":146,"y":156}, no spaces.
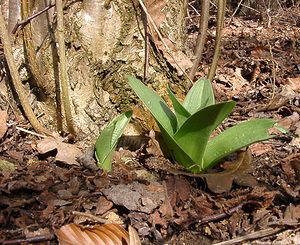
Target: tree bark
{"x":104,"y":43}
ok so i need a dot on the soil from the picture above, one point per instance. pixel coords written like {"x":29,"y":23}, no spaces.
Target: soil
{"x":259,"y":68}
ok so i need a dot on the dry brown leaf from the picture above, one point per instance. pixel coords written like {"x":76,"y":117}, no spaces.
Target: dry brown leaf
{"x":66,"y":153}
{"x":154,"y":8}
{"x":295,"y":142}
{"x":291,"y":167}
{"x":113,"y":217}
{"x":143,"y":197}
{"x":103,"y":205}
{"x":219,"y":184}
{"x":179,"y":60}
{"x":281,"y":98}
{"x":297,"y":130}
{"x":39,"y":232}
{"x":87,"y":159}
{"x":178,"y":188}
{"x":173,"y":55}
{"x":290,"y":121}
{"x":239,"y":81}
{"x":260,"y":53}
{"x":161,"y":218}
{"x":204,"y":207}
{"x":291,"y":215}
{"x":261,"y":195}
{"x":236,"y":171}
{"x":258,"y":149}
{"x":293,"y":83}
{"x":153,"y":147}
{"x":107,"y":234}
{"x":3,"y":126}
{"x":234,"y":78}
{"x":133,"y":236}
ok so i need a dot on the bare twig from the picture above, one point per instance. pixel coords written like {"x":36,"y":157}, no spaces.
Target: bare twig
{"x":17,"y":80}
{"x":26,"y":131}
{"x":274,"y":70}
{"x":220,"y":216}
{"x":23,"y":23}
{"x":220,"y":22}
{"x":235,"y":11}
{"x":201,"y":37}
{"x":252,"y":236}
{"x":30,"y":54}
{"x":195,"y":10}
{"x":146,"y":41}
{"x":252,"y":9}
{"x":42,"y":238}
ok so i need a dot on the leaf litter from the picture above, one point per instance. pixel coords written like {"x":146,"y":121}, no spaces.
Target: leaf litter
{"x":40,"y":194}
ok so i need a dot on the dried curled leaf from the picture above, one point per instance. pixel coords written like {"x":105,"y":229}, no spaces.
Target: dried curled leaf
{"x":133,"y":236}
{"x":3,"y":126}
{"x":107,"y":234}
{"x":236,"y":172}
{"x":66,"y":153}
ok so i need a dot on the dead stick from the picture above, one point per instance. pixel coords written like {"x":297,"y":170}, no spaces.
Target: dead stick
{"x":252,"y":236}
{"x":42,"y":238}
{"x":23,"y":23}
{"x":202,"y":33}
{"x":216,"y":217}
{"x":220,"y":22}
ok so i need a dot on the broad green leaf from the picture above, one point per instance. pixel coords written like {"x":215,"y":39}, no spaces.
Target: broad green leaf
{"x":176,"y":152}
{"x":157,"y":106}
{"x":108,"y":139}
{"x":106,"y":162}
{"x":103,"y":147}
{"x":164,"y":117}
{"x":193,"y":136}
{"x":236,"y":137}
{"x":199,"y":96}
{"x":120,"y":125}
{"x":181,"y":113}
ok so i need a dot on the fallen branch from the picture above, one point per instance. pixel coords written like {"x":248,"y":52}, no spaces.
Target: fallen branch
{"x":42,"y":238}
{"x":252,"y":236}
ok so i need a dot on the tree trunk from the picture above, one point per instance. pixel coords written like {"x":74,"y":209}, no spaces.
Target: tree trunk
{"x":105,"y":42}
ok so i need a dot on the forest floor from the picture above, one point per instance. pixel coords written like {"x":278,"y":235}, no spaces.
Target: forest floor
{"x":42,"y":188}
